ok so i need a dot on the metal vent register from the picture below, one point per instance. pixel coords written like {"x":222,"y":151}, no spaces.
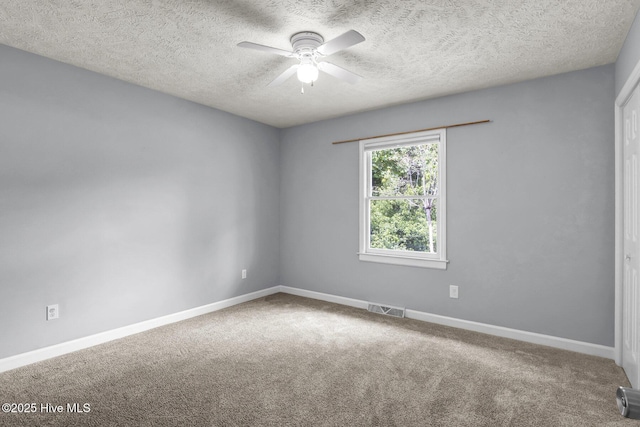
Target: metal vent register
{"x":385,"y":309}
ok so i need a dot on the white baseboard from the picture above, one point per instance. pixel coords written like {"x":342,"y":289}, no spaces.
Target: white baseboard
{"x":531,"y":337}
{"x":23,"y":359}
{"x":324,"y":297}
{"x":516,"y":334}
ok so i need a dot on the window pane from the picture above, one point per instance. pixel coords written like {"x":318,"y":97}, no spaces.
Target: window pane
{"x":406,"y":171}
{"x":404,"y":224}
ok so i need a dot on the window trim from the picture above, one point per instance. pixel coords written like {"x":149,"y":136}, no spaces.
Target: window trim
{"x":406,"y":258}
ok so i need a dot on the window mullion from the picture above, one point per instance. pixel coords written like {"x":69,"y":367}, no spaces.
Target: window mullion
{"x":401,"y":197}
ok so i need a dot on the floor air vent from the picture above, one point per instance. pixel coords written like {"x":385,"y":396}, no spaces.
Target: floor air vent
{"x":385,"y":309}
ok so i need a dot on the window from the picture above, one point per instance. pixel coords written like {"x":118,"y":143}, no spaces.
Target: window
{"x":402,"y":199}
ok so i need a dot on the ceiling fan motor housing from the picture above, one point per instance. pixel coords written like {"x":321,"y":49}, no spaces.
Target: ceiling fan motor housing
{"x":305,"y":43}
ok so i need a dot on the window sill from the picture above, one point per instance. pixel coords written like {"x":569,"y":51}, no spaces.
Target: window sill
{"x":407,"y":261}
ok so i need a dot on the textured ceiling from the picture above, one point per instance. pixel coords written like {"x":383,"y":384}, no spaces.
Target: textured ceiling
{"x":414,"y":49}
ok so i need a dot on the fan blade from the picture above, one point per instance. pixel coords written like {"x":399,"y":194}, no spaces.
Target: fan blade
{"x":344,"y":41}
{"x":269,"y":49}
{"x":339,"y":72}
{"x":284,"y":76}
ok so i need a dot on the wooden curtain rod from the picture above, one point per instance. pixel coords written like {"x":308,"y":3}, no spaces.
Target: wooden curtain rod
{"x":414,"y":131}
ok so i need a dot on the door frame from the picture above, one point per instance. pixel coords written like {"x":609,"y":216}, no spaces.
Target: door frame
{"x":621,"y":100}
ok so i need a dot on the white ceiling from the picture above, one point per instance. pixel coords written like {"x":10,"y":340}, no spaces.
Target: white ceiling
{"x":414,"y":49}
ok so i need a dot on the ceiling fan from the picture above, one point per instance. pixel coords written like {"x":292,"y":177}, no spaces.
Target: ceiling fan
{"x":309,"y":48}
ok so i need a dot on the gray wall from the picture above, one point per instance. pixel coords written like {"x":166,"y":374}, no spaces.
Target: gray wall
{"x":123,"y":204}
{"x":530,"y":208}
{"x":629,"y":55}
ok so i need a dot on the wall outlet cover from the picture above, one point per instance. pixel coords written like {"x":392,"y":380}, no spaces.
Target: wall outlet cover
{"x":53,"y":312}
{"x":453,"y":291}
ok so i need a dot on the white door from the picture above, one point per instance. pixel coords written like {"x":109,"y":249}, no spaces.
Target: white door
{"x":630,"y":291}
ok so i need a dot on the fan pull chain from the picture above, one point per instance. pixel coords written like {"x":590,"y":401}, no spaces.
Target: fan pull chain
{"x":302,"y":87}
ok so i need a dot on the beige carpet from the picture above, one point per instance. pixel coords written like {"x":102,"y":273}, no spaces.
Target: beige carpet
{"x":290,"y":361}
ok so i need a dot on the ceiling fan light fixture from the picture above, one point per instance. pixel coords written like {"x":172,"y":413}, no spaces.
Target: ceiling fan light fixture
{"x":308,"y":47}
{"x":307,"y":73}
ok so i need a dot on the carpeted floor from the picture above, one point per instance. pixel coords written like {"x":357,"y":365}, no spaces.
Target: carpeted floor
{"x":290,"y":361}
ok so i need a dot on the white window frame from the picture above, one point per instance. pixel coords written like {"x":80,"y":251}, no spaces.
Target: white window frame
{"x":388,"y":256}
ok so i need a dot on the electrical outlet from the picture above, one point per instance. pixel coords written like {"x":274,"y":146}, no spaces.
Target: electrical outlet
{"x":244,"y":274}
{"x":453,"y":291}
{"x":53,"y":312}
